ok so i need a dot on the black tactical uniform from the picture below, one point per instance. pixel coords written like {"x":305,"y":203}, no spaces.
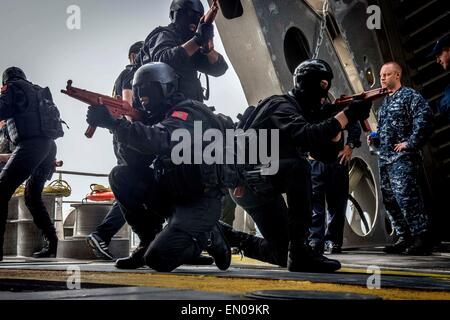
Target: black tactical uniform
{"x":157,"y":190}
{"x":164,"y":45}
{"x":285,"y":229}
{"x":330,"y":188}
{"x":33,"y":158}
{"x":6,"y":147}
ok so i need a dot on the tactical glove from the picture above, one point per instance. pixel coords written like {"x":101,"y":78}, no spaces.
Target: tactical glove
{"x":99,"y":116}
{"x":358,"y":110}
{"x":204,"y":33}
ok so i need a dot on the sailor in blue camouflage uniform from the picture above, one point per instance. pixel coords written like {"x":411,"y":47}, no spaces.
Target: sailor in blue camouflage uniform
{"x":441,"y":52}
{"x":404,"y":124}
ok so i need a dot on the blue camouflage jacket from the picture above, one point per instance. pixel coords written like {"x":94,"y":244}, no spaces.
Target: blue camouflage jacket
{"x":444,"y":105}
{"x":404,"y":116}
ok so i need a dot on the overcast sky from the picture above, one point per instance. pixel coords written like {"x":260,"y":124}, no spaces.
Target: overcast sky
{"x":36,"y":38}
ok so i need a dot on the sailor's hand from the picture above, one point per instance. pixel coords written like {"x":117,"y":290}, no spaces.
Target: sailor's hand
{"x":400,"y":146}
{"x":99,"y":116}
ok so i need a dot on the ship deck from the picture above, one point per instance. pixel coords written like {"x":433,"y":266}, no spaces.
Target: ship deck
{"x":400,"y":278}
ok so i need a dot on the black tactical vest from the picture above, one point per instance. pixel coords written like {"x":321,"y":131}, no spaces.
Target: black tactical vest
{"x":25,"y":124}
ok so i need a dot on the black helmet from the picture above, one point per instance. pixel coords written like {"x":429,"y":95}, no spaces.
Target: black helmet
{"x":135,"y":48}
{"x":308,"y":76}
{"x":186,"y":5}
{"x":157,"y":81}
{"x":315,"y":68}
{"x":13,"y":73}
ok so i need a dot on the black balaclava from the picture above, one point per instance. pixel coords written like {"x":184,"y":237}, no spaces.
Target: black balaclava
{"x":183,"y":18}
{"x":309,"y":92}
{"x":157,"y":102}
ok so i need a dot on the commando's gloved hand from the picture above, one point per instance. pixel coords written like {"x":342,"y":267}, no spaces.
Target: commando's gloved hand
{"x":99,"y":116}
{"x":358,"y":110}
{"x":204,"y":33}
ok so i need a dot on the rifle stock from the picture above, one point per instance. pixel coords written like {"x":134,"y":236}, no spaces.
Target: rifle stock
{"x":370,"y":95}
{"x":116,"y":107}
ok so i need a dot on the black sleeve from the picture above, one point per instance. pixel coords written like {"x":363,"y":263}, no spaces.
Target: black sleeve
{"x":202,"y":64}
{"x":117,"y":90}
{"x":162,"y":47}
{"x":144,"y":139}
{"x":127,"y":83}
{"x":151,"y":140}
{"x":6,"y":102}
{"x":354,"y":134}
{"x":307,"y":136}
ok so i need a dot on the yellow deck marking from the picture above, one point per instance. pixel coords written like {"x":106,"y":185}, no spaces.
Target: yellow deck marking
{"x":220,"y":284}
{"x":361,"y":270}
{"x":399,"y":273}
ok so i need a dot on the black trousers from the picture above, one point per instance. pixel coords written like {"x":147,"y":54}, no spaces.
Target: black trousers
{"x":228,"y":210}
{"x":146,"y":203}
{"x":330,"y":191}
{"x":33,"y":160}
{"x":113,"y":222}
{"x":279,"y":224}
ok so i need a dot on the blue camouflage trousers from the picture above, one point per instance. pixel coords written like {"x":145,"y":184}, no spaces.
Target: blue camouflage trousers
{"x":402,"y":196}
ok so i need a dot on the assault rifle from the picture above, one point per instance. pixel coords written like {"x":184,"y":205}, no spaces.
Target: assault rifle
{"x":116,"y":106}
{"x":340,"y":103}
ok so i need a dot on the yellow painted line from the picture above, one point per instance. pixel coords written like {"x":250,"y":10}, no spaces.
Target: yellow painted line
{"x":220,"y":284}
{"x":362,"y":270}
{"x":391,"y":272}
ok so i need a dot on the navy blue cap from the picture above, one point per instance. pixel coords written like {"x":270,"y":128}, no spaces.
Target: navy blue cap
{"x":442,"y":43}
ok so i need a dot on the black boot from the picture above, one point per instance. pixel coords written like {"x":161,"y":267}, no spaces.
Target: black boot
{"x":421,"y":246}
{"x":301,"y":258}
{"x":403,"y":242}
{"x":49,"y":249}
{"x":236,"y":239}
{"x":136,"y":259}
{"x":218,"y":248}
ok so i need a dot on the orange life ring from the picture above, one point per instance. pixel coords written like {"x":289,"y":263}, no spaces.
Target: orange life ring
{"x":101,"y":196}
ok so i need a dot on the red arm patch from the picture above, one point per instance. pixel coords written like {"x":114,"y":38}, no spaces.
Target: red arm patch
{"x":4,"y":88}
{"x":180,"y":115}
